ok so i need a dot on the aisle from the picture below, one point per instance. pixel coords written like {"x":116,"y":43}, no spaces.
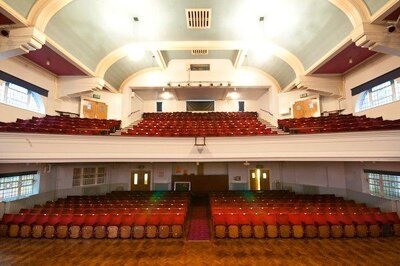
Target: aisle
{"x":199,"y":220}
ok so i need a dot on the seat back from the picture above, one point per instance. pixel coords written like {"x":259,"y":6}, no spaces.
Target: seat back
{"x":7,"y":218}
{"x":115,"y":219}
{"x":128,"y":219}
{"x":78,"y":219}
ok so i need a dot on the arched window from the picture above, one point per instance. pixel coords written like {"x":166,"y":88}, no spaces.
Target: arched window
{"x":20,"y":97}
{"x":384,"y":93}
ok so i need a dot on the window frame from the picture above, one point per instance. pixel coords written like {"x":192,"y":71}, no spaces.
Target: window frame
{"x":97,"y":175}
{"x":361,"y":105}
{"x":20,"y":178}
{"x":378,"y":184}
{"x":6,"y":98}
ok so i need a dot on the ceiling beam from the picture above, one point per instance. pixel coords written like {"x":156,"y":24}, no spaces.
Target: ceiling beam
{"x":21,"y":41}
{"x":385,"y":11}
{"x":240,"y":57}
{"x":157,"y":54}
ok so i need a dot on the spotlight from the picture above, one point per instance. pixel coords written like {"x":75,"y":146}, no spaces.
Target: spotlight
{"x":188,"y":84}
{"x":211,"y":84}
{"x":5,"y":33}
{"x":179,"y":85}
{"x":200,"y":85}
{"x":229,"y":84}
{"x":220,"y":84}
{"x":391,"y":28}
{"x":169,"y":84}
{"x":48,"y":62}
{"x":350,"y":60}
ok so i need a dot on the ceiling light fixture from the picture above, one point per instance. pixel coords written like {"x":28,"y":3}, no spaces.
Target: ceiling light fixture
{"x":135,"y":53}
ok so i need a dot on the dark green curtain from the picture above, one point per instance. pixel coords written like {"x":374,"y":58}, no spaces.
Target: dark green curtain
{"x":199,"y":106}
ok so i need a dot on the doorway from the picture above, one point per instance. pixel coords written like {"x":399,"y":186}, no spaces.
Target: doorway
{"x":259,"y":179}
{"x":93,"y":109}
{"x":140,"y":180}
{"x":305,"y":109}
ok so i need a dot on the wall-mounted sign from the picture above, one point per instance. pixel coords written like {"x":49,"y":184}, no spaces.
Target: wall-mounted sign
{"x":303,"y":95}
{"x":96,"y":96}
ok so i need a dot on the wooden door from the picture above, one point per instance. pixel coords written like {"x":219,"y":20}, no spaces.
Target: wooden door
{"x":253,"y":180}
{"x":264,"y":180}
{"x":93,"y":109}
{"x":140,"y":180}
{"x":305,"y":109}
{"x":101,"y":111}
{"x":259,"y":179}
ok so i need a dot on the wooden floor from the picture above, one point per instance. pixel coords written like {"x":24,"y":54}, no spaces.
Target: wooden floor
{"x":383,"y":251}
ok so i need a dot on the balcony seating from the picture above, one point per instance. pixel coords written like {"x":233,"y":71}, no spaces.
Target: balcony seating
{"x":336,"y":123}
{"x":116,"y":215}
{"x":187,"y":124}
{"x":62,"y":125}
{"x":272,"y":214}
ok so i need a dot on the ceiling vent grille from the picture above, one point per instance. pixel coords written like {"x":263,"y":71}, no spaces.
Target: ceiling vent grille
{"x":198,"y":18}
{"x":199,"y":52}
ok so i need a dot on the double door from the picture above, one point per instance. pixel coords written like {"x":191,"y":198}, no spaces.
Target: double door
{"x":140,"y":180}
{"x":93,"y":109}
{"x":259,"y":179}
{"x":305,"y":109}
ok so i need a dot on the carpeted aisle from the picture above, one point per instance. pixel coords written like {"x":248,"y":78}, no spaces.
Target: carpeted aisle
{"x":199,"y":220}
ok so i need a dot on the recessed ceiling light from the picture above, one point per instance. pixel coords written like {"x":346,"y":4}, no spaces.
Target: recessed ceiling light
{"x":136,"y":19}
{"x":261,"y":19}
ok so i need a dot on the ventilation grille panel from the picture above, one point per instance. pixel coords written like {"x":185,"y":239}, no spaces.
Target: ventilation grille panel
{"x":199,"y":52}
{"x":198,"y":18}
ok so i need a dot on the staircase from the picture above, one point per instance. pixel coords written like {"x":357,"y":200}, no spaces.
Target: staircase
{"x":125,"y":129}
{"x":272,"y":127}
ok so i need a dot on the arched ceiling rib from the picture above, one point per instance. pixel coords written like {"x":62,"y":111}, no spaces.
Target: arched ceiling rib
{"x":123,"y":68}
{"x":299,"y":34}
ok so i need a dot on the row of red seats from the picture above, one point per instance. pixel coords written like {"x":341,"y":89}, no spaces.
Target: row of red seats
{"x":62,"y":125}
{"x":336,"y":123}
{"x":199,"y":125}
{"x":93,"y":225}
{"x":101,"y":210}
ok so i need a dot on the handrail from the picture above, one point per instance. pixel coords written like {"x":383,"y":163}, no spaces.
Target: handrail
{"x":268,"y":112}
{"x":134,"y":112}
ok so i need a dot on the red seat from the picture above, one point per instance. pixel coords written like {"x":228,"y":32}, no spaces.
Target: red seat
{"x":91,"y":219}
{"x":65,"y":219}
{"x":270,"y":219}
{"x":307,"y":218}
{"x":140,"y":220}
{"x":283,"y":219}
{"x":54,"y":219}
{"x":29,"y":219}
{"x":232,"y":219}
{"x":78,"y":219}
{"x":153,"y":219}
{"x":41,"y":219}
{"x":244,"y":219}
{"x":320,"y":219}
{"x":7,"y":218}
{"x":178,"y":219}
{"x":393,"y":218}
{"x":18,"y":218}
{"x":127,"y":220}
{"x":166,"y":219}
{"x":219,"y":219}
{"x":103,"y":219}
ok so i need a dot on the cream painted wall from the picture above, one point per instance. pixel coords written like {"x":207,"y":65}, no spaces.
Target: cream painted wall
{"x":366,"y":72}
{"x":35,"y":75}
{"x":113,"y":101}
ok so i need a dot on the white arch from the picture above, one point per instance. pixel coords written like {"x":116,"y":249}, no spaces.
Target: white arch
{"x":43,"y":10}
{"x":356,"y":10}
{"x":129,"y":79}
{"x":266,"y":74}
{"x":122,"y":52}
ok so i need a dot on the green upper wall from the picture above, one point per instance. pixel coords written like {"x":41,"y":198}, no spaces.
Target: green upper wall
{"x":21,"y":6}
{"x":375,"y":5}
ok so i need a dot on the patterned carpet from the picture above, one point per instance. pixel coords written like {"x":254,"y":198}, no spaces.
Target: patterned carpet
{"x":199,"y":220}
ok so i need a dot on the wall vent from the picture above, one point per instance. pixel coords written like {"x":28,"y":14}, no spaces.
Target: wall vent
{"x":199,"y":52}
{"x":199,"y":67}
{"x":198,"y":18}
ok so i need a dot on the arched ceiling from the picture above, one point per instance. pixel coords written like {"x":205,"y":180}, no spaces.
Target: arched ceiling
{"x":375,"y":5}
{"x":93,"y":29}
{"x":124,"y":67}
{"x":273,"y":65}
